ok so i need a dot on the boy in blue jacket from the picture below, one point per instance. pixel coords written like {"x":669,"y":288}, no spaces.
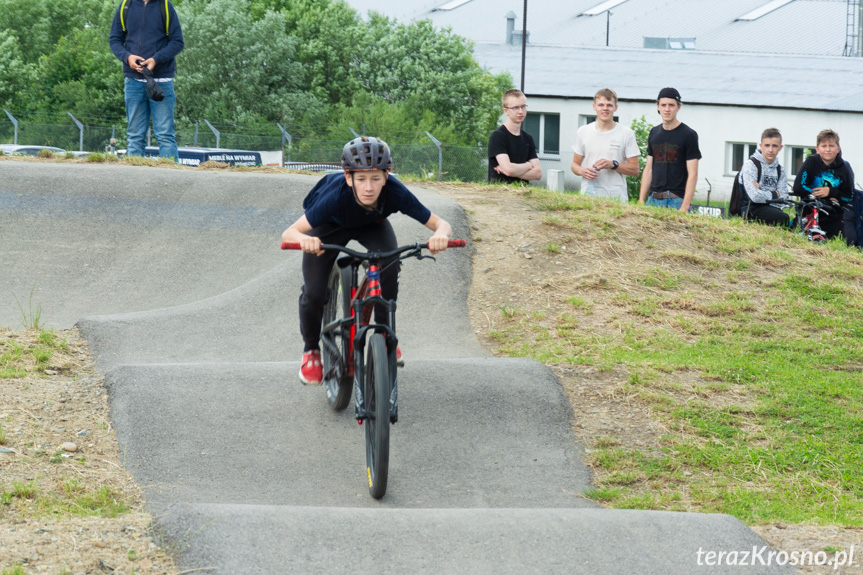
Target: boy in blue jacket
{"x":147,"y":34}
{"x":353,"y":205}
{"x":826,"y":176}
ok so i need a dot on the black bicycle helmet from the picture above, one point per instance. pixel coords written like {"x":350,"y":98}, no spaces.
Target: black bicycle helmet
{"x":366,"y":153}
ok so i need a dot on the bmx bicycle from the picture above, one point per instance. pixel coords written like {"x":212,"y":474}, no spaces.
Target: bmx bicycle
{"x":806,"y":214}
{"x":360,"y":354}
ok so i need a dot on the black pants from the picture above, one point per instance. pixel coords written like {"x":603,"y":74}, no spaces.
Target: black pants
{"x":316,"y":272}
{"x":770,"y":215}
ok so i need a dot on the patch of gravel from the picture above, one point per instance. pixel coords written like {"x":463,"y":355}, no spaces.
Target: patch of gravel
{"x":66,"y":404}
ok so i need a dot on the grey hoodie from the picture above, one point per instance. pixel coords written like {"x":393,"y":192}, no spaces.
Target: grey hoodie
{"x":772,"y":185}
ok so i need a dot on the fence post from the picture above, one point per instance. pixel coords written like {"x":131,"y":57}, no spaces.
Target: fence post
{"x":196,"y":134}
{"x":439,"y":156}
{"x":285,"y":135}
{"x":215,"y":131}
{"x":14,"y":123}
{"x":80,"y":132}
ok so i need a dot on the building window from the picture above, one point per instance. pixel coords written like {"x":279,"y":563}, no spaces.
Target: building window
{"x":545,"y":129}
{"x":797,"y":154}
{"x":738,"y":153}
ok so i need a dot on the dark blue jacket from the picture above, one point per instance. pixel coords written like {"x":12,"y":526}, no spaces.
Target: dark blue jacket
{"x":145,"y":36}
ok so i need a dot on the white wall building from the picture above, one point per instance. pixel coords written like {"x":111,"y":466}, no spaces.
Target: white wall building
{"x":740,"y":65}
{"x":728,"y":98}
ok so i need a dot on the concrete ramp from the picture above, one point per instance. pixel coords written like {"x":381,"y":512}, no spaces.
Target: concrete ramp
{"x":332,"y":541}
{"x":479,"y":432}
{"x":176,"y":280}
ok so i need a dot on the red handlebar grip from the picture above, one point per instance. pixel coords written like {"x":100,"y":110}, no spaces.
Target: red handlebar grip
{"x":290,"y":246}
{"x":456,"y":244}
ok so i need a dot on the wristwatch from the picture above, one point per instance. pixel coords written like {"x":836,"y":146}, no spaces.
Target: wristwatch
{"x":616,"y":163}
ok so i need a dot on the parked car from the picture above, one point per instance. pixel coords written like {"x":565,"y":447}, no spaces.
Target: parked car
{"x":28,"y":150}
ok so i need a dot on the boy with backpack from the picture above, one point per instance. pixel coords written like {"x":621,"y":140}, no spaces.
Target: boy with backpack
{"x":826,"y":176}
{"x":761,"y":179}
{"x":353,"y":205}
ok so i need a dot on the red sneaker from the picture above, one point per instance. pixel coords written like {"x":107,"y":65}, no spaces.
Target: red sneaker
{"x":399,"y":361}
{"x":311,"y":369}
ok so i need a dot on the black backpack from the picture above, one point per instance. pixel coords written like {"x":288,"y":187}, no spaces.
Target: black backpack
{"x":738,"y":191}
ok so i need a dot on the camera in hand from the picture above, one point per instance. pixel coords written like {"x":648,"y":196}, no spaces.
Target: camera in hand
{"x":154,"y":90}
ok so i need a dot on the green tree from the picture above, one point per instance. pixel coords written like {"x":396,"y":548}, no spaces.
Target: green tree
{"x":642,"y":131}
{"x":39,"y":24}
{"x":329,"y":36}
{"x":433,"y":70}
{"x":428,"y":75}
{"x":80,"y":75}
{"x":238,"y":69}
{"x":14,"y":73}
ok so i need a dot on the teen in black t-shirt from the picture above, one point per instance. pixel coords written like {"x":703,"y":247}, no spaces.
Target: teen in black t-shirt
{"x":512,"y":151}
{"x":671,"y":170}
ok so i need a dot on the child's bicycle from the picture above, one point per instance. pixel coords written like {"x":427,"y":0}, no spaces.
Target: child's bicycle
{"x":806,"y":213}
{"x":345,"y":335}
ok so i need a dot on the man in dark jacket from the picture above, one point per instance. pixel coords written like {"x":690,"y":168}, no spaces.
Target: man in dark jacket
{"x":825,"y":175}
{"x":147,"y":34}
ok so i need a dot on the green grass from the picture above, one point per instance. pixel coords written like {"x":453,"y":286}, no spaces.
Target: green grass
{"x":758,"y":378}
{"x":18,"y":360}
{"x":71,"y":499}
{"x":30,"y":317}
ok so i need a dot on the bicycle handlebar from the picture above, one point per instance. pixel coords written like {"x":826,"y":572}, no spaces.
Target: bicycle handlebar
{"x":781,"y":202}
{"x":806,"y":201}
{"x":374,"y":255}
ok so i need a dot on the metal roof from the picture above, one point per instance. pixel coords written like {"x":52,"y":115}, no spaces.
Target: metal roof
{"x":721,"y":78}
{"x":816,"y":27}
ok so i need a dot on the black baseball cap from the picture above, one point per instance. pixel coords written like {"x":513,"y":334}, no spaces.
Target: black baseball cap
{"x":668,"y":93}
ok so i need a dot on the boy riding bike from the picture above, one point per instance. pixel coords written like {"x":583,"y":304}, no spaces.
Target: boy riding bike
{"x":354,"y":205}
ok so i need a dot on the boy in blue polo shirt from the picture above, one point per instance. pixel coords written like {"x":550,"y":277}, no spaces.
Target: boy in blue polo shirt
{"x":354,"y":205}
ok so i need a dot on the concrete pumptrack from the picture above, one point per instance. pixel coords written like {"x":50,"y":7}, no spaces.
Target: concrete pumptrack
{"x":190,"y":309}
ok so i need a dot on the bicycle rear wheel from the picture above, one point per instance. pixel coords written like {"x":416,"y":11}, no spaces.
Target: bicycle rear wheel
{"x":335,"y":343}
{"x":377,"y":398}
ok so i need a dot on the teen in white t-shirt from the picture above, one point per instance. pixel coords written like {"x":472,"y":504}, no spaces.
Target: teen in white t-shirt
{"x":605,"y":152}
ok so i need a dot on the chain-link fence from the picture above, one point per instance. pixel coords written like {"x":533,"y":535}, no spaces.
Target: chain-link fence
{"x":68,"y":137}
{"x":427,"y":160}
{"x":449,"y":163}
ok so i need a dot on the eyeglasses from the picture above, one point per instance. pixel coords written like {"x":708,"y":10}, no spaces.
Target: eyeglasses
{"x":516,"y":108}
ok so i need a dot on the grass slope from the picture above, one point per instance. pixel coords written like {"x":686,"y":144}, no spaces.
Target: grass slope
{"x":746,"y":342}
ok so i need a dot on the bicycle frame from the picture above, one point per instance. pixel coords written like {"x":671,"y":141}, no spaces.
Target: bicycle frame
{"x":363,"y":300}
{"x":364,"y":296}
{"x":815,"y":206}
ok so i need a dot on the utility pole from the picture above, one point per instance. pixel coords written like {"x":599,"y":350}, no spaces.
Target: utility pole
{"x":523,"y":43}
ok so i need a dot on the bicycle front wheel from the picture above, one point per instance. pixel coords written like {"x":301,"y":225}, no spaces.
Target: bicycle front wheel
{"x":377,"y":398}
{"x":336,"y":348}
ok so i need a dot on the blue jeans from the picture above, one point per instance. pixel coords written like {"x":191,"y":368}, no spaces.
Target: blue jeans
{"x":140,"y":108}
{"x":669,"y":202}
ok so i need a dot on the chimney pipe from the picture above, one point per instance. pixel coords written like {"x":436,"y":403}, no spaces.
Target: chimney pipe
{"x":510,"y":26}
